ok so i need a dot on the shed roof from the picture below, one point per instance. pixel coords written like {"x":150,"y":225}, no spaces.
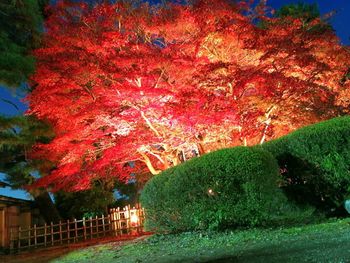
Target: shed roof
{"x":7,"y":200}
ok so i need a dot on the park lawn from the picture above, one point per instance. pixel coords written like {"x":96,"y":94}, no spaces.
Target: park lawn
{"x":323,"y":242}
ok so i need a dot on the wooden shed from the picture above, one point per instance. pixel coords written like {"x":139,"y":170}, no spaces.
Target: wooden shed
{"x":15,"y":212}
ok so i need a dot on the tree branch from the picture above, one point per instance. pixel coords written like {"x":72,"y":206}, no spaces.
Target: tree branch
{"x":149,"y":165}
{"x":149,"y":123}
{"x":267,"y":123}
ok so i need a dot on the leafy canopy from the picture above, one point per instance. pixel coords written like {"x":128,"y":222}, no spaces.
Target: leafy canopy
{"x":137,"y":89}
{"x":307,"y":12}
{"x":20,"y":30}
{"x":18,"y":135}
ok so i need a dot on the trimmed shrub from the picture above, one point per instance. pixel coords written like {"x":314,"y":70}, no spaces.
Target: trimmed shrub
{"x":226,"y":188}
{"x":315,"y":163}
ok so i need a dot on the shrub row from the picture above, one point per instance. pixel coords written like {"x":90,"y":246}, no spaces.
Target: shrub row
{"x":315,"y":163}
{"x":243,"y":186}
{"x":229,"y":187}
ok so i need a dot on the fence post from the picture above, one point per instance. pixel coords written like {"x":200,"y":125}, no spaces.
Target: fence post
{"x":90,"y":227}
{"x":84,"y":228}
{"x":111,"y":217}
{"x":119,"y":222}
{"x":51,"y":231}
{"x":19,"y":237}
{"x":76,"y":230}
{"x":11,"y":239}
{"x":45,"y":233}
{"x":141,"y":216}
{"x":35,"y":236}
{"x":138,"y":218}
{"x":128,"y":222}
{"x":96,"y":218}
{"x":60,"y":230}
{"x":110,"y":227}
{"x":29,"y":237}
{"x":103,"y":226}
{"x":68,"y":232}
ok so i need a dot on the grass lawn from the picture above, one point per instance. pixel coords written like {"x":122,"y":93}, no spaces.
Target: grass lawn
{"x":325,"y":242}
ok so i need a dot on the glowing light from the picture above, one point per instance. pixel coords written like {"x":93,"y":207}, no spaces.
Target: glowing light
{"x":211,"y":192}
{"x":134,"y":219}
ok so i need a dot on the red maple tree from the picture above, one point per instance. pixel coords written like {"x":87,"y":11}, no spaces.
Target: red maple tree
{"x":134,"y":89}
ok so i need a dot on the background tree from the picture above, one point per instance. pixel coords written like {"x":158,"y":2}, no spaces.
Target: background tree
{"x":18,"y":135}
{"x":124,"y":84}
{"x":307,"y":12}
{"x":20,"y":30}
{"x":88,"y":203}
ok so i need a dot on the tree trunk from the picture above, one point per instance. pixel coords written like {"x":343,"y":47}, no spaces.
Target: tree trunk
{"x":46,"y":206}
{"x":201,"y":149}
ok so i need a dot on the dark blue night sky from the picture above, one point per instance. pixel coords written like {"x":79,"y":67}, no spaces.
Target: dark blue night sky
{"x":340,"y":22}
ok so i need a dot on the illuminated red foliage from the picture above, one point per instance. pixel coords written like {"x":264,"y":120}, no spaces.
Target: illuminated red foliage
{"x":138,"y":89}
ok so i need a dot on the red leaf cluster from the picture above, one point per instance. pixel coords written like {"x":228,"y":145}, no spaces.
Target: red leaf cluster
{"x":133,"y":89}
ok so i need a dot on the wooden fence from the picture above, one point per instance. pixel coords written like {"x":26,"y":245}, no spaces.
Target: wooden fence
{"x":119,"y":222}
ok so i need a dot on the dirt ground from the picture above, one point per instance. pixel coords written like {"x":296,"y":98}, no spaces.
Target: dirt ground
{"x":47,"y":254}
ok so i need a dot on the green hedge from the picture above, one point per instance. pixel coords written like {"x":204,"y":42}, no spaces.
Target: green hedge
{"x":243,"y":182}
{"x":315,"y":161}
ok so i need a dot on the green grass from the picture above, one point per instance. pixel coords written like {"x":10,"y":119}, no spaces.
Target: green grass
{"x":325,"y":242}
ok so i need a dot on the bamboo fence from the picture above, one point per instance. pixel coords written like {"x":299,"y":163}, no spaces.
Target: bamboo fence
{"x":119,"y":222}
